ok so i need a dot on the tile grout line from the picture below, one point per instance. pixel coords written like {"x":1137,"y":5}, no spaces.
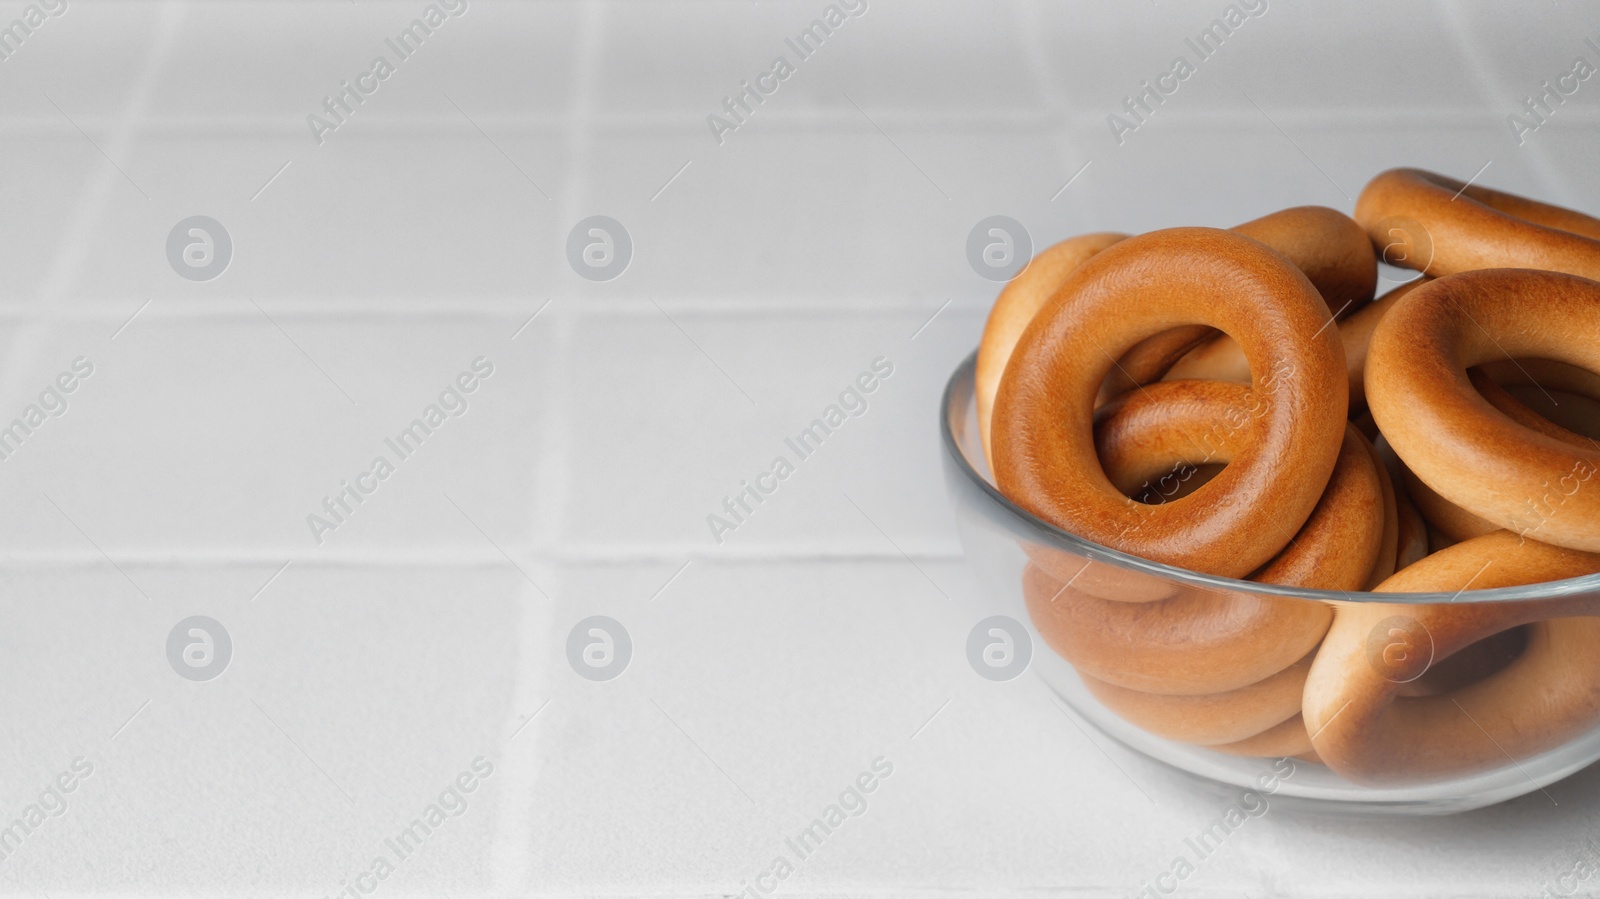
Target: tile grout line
{"x":112,"y":314}
{"x":27,"y":345}
{"x":874,"y":303}
{"x":509,"y":862}
{"x":442,"y":557}
{"x":554,"y":123}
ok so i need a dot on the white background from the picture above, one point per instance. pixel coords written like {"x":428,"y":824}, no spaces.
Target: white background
{"x":767,"y":273}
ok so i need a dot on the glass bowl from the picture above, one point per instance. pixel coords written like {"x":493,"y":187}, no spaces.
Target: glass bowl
{"x":1014,"y":554}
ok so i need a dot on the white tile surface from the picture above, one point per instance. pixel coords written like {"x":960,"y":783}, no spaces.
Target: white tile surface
{"x":769,"y":669}
{"x":762,"y":380}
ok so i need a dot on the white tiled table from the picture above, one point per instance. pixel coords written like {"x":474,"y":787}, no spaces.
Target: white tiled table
{"x":769,"y":670}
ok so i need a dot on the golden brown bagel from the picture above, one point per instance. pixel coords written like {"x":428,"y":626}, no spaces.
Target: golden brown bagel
{"x":1452,"y":520}
{"x":1193,"y":643}
{"x":1365,"y":731}
{"x":1042,"y":430}
{"x":1214,"y":718}
{"x":1450,"y":436}
{"x":1441,"y":226}
{"x":1016,"y":306}
{"x":1328,"y":246}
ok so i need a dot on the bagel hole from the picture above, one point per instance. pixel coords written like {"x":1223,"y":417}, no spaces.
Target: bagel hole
{"x":1177,"y":483}
{"x":1471,"y":664}
{"x":1559,"y":392}
{"x":1578,"y":414}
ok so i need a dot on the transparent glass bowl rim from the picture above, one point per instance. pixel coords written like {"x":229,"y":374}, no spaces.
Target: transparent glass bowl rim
{"x":963,"y":379}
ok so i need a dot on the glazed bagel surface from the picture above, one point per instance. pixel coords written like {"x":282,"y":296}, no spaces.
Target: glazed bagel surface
{"x":1363,"y":727}
{"x":1453,"y":439}
{"x":1044,"y":412}
{"x":1441,"y":226}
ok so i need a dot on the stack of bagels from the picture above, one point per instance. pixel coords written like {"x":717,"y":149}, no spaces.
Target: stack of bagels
{"x":1238,"y":403}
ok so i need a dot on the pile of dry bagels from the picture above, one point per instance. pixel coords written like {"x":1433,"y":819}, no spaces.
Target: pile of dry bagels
{"x":1236,"y":402}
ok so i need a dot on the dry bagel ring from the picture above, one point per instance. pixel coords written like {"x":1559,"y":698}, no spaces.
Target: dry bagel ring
{"x":1043,"y":425}
{"x":1326,"y":245}
{"x":1016,"y":306}
{"x":1145,"y":437}
{"x":1214,"y":718}
{"x":1467,"y":227}
{"x":1452,"y":520}
{"x":1191,"y":644}
{"x":1550,"y":694}
{"x":1449,"y":435}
